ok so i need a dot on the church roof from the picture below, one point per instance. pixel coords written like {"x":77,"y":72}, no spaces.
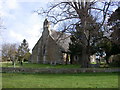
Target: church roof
{"x":61,"y":39}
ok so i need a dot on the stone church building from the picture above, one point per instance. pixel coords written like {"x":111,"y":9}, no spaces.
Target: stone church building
{"x":52,"y":47}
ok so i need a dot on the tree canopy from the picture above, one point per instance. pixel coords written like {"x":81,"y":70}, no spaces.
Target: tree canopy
{"x":114,"y":22}
{"x":23,"y":51}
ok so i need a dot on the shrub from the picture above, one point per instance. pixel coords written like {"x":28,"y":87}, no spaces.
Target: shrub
{"x":114,"y":60}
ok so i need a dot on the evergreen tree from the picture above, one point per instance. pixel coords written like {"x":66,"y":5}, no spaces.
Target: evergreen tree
{"x":78,"y":42}
{"x":114,"y":22}
{"x":22,"y":51}
{"x":75,"y":48}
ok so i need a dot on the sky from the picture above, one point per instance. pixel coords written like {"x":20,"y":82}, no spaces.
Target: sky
{"x":20,"y":21}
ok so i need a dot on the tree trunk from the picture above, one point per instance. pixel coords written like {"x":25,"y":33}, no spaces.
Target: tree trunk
{"x":67,"y":59}
{"x":71,"y":58}
{"x":21,"y":62}
{"x":85,"y":58}
{"x":107,"y":58}
{"x":13,"y":62}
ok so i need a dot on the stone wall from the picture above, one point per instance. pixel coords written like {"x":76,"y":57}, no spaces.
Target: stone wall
{"x":53,"y":70}
{"x":53,"y":51}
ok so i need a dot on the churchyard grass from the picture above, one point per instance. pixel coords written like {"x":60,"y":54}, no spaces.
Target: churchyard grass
{"x":33,"y":65}
{"x":81,"y":80}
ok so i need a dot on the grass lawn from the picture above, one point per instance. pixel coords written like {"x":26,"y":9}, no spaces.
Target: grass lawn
{"x":33,"y":65}
{"x":82,"y":80}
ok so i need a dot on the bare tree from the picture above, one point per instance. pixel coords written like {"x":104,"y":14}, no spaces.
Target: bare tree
{"x":2,"y":24}
{"x":9,"y":52}
{"x":81,"y":16}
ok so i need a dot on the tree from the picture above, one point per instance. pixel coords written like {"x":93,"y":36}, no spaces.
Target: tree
{"x":114,"y":22}
{"x":111,"y":45}
{"x":27,"y":56}
{"x":75,"y":48}
{"x":80,"y":16}
{"x":9,"y":52}
{"x":107,"y":46}
{"x":23,"y":50}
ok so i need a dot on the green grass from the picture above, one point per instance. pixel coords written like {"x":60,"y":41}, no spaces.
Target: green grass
{"x":93,"y":63}
{"x":82,"y":80}
{"x":31,"y":65}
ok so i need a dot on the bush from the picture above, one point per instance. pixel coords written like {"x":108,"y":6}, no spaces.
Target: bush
{"x":27,"y":56}
{"x":114,"y":60}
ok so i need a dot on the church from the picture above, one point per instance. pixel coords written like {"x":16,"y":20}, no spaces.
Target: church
{"x":52,"y":47}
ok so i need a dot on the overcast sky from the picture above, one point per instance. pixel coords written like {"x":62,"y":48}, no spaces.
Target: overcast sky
{"x":20,"y":21}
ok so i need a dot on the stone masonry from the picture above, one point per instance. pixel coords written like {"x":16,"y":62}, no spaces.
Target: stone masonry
{"x":51,"y":47}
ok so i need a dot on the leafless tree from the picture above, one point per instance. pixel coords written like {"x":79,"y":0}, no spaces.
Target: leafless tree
{"x":2,"y":24}
{"x":9,"y":52}
{"x":79,"y":15}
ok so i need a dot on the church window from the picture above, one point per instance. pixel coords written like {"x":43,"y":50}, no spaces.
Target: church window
{"x":76,"y":58}
{"x":44,"y":49}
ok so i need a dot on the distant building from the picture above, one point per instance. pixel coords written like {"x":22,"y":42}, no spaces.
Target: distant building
{"x":52,"y":47}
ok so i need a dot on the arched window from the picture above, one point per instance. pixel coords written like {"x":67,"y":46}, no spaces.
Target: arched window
{"x":44,"y":49}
